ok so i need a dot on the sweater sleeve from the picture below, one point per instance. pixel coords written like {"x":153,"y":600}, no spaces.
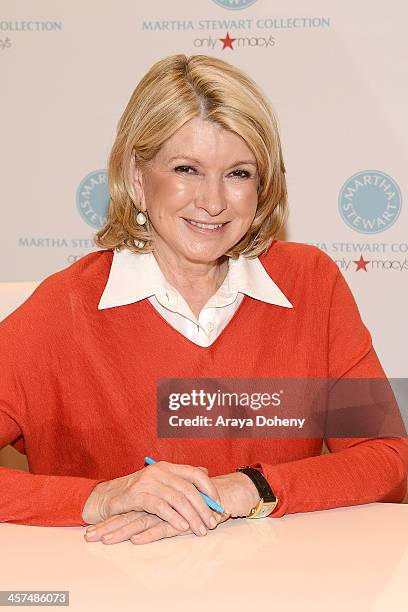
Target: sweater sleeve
{"x":26,"y":498}
{"x":357,"y":470}
{"x":39,"y":499}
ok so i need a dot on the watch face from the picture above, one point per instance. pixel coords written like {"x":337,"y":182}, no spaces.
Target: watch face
{"x":265,"y":509}
{"x":268,"y":509}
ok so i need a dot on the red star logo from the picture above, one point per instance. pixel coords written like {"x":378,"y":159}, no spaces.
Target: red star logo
{"x":227,"y":42}
{"x":361,"y":264}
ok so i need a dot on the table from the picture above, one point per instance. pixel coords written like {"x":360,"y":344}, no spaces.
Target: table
{"x":353,"y":558}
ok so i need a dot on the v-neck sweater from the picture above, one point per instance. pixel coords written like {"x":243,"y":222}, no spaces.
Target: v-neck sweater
{"x":136,"y":276}
{"x":78,"y":390}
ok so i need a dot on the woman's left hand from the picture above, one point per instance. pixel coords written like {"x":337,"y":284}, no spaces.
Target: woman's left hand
{"x":238,"y":495}
{"x":138,"y":527}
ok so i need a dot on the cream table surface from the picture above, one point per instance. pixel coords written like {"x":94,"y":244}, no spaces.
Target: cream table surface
{"x":353,"y":559}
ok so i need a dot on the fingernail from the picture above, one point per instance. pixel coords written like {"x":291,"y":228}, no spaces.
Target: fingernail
{"x":90,"y":529}
{"x":106,"y":538}
{"x":203,"y":530}
{"x":213,"y":521}
{"x":184,"y":525}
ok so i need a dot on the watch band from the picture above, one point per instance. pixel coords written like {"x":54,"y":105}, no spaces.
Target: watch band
{"x":268,"y":501}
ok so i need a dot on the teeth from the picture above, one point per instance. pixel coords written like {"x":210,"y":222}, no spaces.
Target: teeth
{"x":205,"y":225}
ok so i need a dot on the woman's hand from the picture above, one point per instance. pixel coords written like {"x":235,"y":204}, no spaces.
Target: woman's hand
{"x":167,"y":490}
{"x":236,"y":491}
{"x":138,"y":527}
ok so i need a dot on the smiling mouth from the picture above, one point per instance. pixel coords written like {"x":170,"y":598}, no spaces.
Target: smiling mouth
{"x":206,"y":226}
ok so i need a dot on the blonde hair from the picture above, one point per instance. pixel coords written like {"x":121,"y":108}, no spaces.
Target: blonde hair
{"x":175,"y":90}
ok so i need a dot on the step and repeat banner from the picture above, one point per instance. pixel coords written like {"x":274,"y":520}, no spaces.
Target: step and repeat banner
{"x":335,"y":75}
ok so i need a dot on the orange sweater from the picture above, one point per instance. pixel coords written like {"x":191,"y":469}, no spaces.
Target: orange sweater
{"x":78,"y":385}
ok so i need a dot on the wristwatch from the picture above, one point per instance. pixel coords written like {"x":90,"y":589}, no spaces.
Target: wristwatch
{"x":268,"y":501}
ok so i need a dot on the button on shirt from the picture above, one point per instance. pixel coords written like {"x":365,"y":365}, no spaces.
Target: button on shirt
{"x":137,"y":276}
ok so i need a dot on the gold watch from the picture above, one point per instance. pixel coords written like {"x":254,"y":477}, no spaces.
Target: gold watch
{"x":268,"y":501}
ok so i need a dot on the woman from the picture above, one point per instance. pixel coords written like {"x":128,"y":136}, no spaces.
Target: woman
{"x":190,"y":282}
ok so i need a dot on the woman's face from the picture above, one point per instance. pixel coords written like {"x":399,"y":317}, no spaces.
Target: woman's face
{"x":205,"y":174}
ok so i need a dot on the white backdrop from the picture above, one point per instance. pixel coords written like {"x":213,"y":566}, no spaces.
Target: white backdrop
{"x":334,"y":72}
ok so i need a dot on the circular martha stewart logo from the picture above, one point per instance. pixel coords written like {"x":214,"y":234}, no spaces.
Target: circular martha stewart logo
{"x":370,"y":202}
{"x":234,"y":4}
{"x":93,"y":198}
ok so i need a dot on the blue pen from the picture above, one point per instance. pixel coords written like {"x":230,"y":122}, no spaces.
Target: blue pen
{"x":205,"y":497}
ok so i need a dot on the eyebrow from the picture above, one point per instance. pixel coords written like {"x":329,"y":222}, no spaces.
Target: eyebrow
{"x":238,"y":163}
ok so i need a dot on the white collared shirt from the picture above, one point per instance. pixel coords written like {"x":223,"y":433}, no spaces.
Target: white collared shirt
{"x":137,"y":276}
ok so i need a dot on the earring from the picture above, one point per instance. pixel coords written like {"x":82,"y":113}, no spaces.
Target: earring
{"x":141,"y":218}
{"x":139,"y":243}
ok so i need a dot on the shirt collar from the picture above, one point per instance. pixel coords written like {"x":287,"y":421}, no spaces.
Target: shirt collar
{"x":136,"y":276}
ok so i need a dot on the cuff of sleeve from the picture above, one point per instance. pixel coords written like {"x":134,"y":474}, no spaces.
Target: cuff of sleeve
{"x":272,"y":475}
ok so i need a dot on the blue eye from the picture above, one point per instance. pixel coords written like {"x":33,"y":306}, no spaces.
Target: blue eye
{"x":183,"y":168}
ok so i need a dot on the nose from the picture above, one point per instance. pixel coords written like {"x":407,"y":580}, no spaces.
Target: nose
{"x":210,"y":195}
